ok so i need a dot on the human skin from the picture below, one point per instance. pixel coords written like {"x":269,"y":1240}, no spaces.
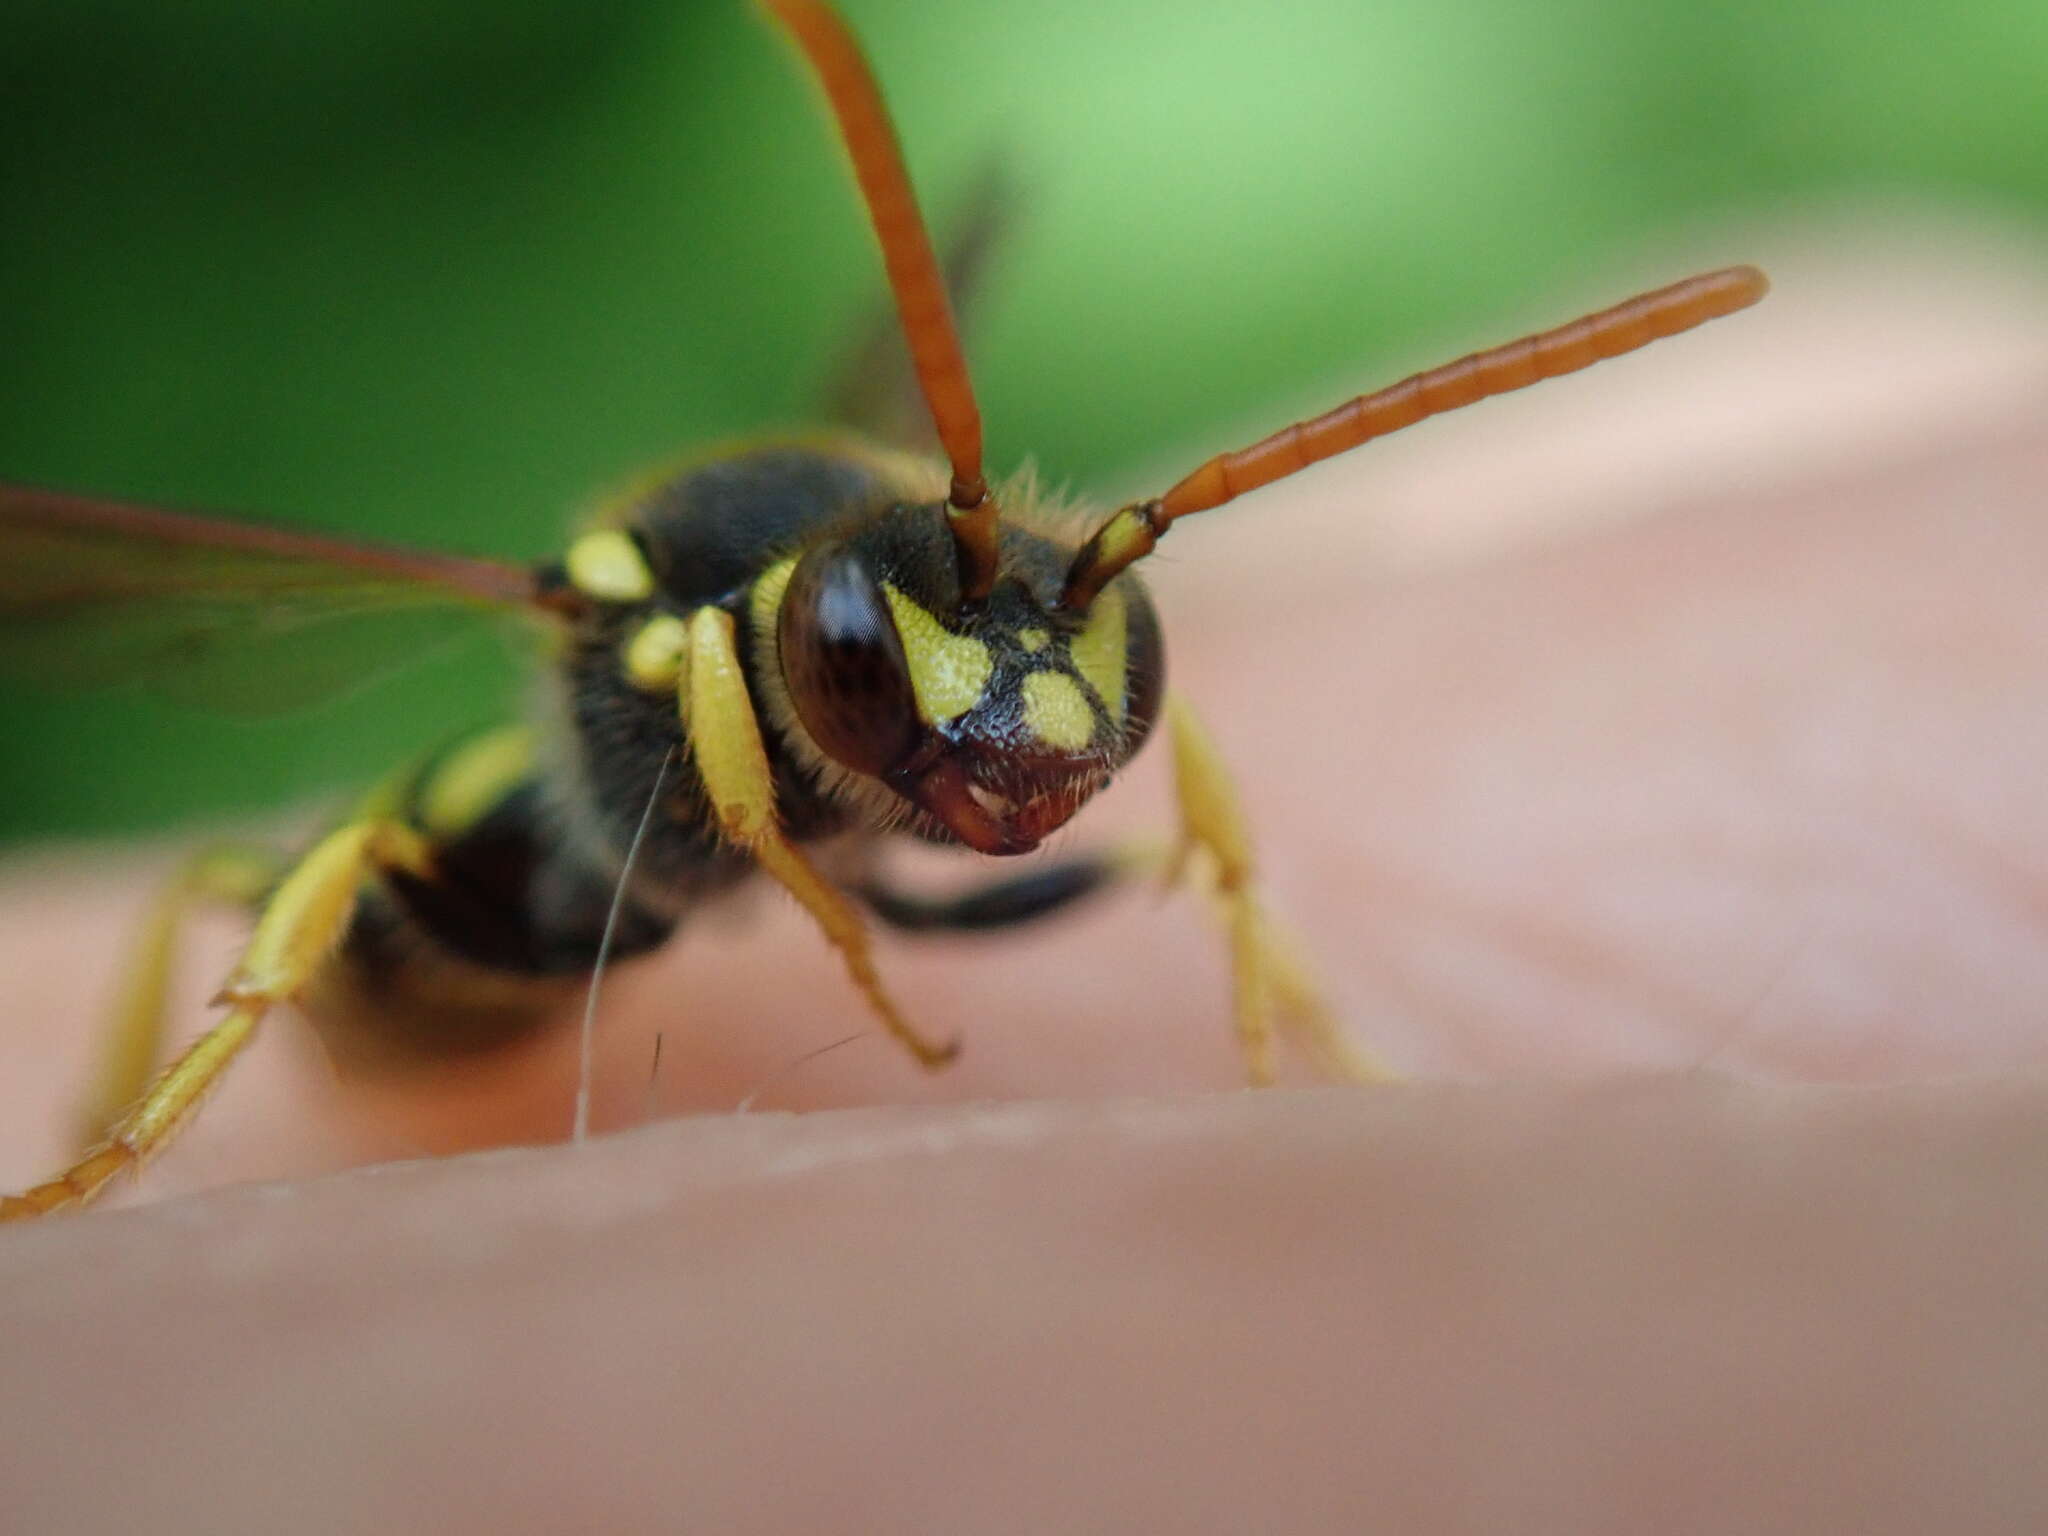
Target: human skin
{"x":1742,"y":791}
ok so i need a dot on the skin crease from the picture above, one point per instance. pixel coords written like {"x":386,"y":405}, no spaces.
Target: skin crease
{"x":1644,"y":817}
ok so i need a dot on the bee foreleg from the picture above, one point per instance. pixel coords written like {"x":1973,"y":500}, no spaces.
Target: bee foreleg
{"x":303,"y":920}
{"x":725,"y":744}
{"x":1270,"y":982}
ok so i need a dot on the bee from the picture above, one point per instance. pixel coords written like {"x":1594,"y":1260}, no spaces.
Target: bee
{"x":807,"y":641}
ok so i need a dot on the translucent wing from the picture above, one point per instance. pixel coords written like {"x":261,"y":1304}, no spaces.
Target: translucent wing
{"x":874,"y":390}
{"x":231,"y":615}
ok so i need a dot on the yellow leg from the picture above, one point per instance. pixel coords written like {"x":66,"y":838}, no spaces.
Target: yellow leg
{"x":1270,"y":984}
{"x":725,"y":742}
{"x":303,"y":920}
{"x":231,"y":875}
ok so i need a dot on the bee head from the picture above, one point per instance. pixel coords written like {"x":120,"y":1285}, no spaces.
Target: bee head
{"x":992,"y":720}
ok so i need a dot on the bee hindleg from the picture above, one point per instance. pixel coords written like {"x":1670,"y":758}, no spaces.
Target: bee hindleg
{"x":725,"y":743}
{"x":302,"y":921}
{"x":1271,"y":984}
{"x":236,"y":875}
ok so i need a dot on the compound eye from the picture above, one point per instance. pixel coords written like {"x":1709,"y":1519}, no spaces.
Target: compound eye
{"x":1144,"y":668}
{"x":844,"y":664}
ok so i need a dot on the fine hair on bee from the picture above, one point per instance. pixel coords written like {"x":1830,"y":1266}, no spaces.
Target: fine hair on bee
{"x":772,"y":661}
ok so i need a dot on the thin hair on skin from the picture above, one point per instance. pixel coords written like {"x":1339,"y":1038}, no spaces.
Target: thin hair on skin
{"x":746,"y":1105}
{"x":587,"y":1049}
{"x":1743,"y":1026}
{"x":654,"y":1080}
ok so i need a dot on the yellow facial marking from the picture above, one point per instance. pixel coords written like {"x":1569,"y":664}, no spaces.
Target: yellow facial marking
{"x":654,"y":656}
{"x":765,"y":600}
{"x":947,"y":671}
{"x":1056,"y":711}
{"x":474,"y":778}
{"x":606,"y":564}
{"x":1032,"y":639}
{"x":1099,"y":652}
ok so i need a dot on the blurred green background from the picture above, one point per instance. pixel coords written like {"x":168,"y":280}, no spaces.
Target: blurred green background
{"x":438,"y":270}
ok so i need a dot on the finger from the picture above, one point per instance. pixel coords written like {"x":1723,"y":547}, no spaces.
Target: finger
{"x":1734,"y":1307}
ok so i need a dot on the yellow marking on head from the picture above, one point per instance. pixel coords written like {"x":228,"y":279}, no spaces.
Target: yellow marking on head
{"x":654,"y":656}
{"x":607,"y":564}
{"x":463,"y":788}
{"x":1056,"y":711}
{"x":765,"y":600}
{"x":1100,"y":652}
{"x":947,"y":671}
{"x":1032,"y":639}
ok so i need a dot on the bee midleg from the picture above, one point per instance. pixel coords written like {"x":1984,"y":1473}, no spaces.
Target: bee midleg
{"x":1013,"y":900}
{"x":1271,"y":983}
{"x":226,"y":874}
{"x":725,"y":744}
{"x":302,"y":921}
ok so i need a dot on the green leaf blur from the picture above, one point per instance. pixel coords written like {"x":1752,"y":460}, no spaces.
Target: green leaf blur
{"x":438,"y":271}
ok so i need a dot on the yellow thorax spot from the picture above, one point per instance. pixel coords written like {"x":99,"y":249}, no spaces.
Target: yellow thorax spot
{"x":1099,"y":652}
{"x":1032,"y":639}
{"x":607,"y":564}
{"x":947,"y":671}
{"x":1056,"y":711}
{"x":654,"y":656}
{"x":464,"y":787}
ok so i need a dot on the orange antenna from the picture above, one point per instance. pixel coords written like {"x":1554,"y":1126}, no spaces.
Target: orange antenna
{"x":1130,"y":534}
{"x":914,"y":274}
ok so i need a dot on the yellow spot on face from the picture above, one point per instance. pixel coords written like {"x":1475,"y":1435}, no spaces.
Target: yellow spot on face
{"x":1056,"y":711}
{"x":764,"y":602}
{"x":947,"y":671}
{"x":474,"y":778}
{"x":1032,"y":639}
{"x":1099,"y":652}
{"x":607,"y":565}
{"x":654,"y":656}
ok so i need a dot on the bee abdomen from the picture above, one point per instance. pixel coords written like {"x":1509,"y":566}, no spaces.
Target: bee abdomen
{"x":500,"y":939}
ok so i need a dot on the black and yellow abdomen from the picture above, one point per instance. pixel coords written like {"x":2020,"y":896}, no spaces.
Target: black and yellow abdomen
{"x":498,"y":936}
